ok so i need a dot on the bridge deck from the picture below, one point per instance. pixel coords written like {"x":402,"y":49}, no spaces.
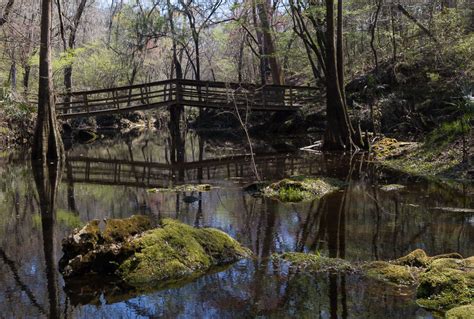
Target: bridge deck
{"x":193,"y":93}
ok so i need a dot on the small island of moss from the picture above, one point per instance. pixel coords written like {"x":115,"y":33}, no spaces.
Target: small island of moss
{"x":297,"y":189}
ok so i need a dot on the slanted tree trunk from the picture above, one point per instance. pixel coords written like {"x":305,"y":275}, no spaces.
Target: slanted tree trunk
{"x":339,"y":134}
{"x":47,"y":143}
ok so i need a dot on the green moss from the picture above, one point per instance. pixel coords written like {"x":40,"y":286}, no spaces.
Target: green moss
{"x":301,"y":189}
{"x":315,"y":263}
{"x":119,"y":229}
{"x":291,"y":194}
{"x":443,"y":263}
{"x":444,"y":288}
{"x":395,"y":274}
{"x":417,"y":258}
{"x":175,"y":251}
{"x":462,"y":312}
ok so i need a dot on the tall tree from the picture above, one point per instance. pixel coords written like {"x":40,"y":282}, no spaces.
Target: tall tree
{"x":69,"y":41}
{"x":339,"y":134}
{"x":269,"y":49}
{"x":47,"y":143}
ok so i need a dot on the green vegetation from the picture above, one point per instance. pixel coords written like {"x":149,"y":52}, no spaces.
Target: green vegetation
{"x":388,"y":272}
{"x":461,"y":312}
{"x":441,"y":282}
{"x":444,"y":288}
{"x":315,"y":263}
{"x":299,"y":189}
{"x":176,"y":250}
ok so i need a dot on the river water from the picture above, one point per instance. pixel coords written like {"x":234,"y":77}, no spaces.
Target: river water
{"x":112,"y":177}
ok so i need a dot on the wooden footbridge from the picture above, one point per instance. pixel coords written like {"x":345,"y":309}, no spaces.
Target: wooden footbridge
{"x":169,"y":93}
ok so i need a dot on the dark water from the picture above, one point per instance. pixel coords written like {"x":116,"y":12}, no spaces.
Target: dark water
{"x":110,"y":178}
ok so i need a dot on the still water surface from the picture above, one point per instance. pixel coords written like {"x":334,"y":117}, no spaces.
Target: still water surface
{"x":110,"y":178}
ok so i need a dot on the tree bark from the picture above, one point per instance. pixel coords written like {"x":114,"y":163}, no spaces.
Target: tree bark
{"x":26,"y":78}
{"x":268,"y":44}
{"x":373,"y":27}
{"x":339,"y":134}
{"x":47,"y":143}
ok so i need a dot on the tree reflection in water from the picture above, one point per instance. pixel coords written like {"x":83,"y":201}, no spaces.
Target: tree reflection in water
{"x":47,"y":177}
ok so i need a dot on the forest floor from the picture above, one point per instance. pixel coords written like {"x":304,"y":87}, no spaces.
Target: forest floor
{"x":452,"y":160}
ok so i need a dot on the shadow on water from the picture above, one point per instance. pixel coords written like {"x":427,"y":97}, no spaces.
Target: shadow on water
{"x":111,"y":178}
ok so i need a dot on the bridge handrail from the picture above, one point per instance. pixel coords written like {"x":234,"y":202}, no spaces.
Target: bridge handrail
{"x":190,"y":82}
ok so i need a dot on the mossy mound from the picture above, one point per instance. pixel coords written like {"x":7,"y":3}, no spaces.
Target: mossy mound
{"x":141,"y":254}
{"x":314,"y":263}
{"x":444,"y":289}
{"x":447,"y":283}
{"x":417,"y":258}
{"x":391,"y":148}
{"x":177,"y":250}
{"x":462,"y":312}
{"x":301,"y":189}
{"x":442,"y":282}
{"x":388,"y":272}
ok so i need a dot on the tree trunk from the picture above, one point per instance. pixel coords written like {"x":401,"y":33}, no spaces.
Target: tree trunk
{"x":26,"y":78}
{"x":268,"y":44}
{"x":47,"y":143}
{"x":13,"y":76}
{"x":373,"y":27}
{"x":339,"y":134}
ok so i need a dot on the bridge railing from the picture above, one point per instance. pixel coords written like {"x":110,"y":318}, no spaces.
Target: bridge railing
{"x":185,"y":92}
{"x":118,"y":99}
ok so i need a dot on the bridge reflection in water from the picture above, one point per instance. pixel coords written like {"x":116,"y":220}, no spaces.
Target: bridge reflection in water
{"x":107,"y":171}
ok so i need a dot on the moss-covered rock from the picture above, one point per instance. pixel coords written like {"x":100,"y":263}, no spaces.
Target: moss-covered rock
{"x":142,"y":254}
{"x":446,"y":288}
{"x":388,"y":272}
{"x":99,"y":245}
{"x":417,"y":258}
{"x":301,"y":189}
{"x":177,"y":250}
{"x":313,"y":263}
{"x":461,"y":312}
